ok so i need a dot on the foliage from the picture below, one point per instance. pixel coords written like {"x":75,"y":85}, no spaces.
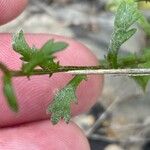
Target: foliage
{"x":9,"y":92}
{"x":34,"y":57}
{"x":127,"y":16}
{"x":8,"y":88}
{"x":60,"y":108}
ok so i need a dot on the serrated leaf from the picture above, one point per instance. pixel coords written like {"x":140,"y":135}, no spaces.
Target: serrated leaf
{"x":37,"y":57}
{"x":20,"y":46}
{"x":9,"y":92}
{"x":127,"y":14}
{"x":60,"y":107}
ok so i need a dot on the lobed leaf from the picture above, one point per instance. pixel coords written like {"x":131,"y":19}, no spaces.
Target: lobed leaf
{"x":37,"y":57}
{"x":127,"y":14}
{"x":20,"y":46}
{"x":60,"y":107}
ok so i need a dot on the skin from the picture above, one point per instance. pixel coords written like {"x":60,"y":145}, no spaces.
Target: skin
{"x":31,"y":127}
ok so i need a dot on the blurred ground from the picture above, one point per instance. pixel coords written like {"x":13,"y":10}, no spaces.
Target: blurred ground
{"x":120,"y":120}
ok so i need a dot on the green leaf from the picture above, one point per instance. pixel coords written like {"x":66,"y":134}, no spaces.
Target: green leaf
{"x":40,"y":59}
{"x":48,"y":49}
{"x":129,"y":61}
{"x":60,"y":107}
{"x":137,"y":61}
{"x":142,"y":81}
{"x":20,"y":46}
{"x":37,"y":57}
{"x":127,"y":14}
{"x":51,"y":47}
{"x":9,"y":92}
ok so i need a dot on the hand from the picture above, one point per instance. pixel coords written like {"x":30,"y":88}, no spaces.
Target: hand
{"x":31,"y":128}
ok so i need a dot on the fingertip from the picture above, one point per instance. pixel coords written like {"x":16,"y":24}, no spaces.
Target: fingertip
{"x":10,"y":9}
{"x":43,"y":136}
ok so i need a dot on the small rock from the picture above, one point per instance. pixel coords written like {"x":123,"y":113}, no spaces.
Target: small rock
{"x":84,"y":121}
{"x":113,"y":147}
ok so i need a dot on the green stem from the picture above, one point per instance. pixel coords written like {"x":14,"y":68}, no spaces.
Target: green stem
{"x":19,"y":73}
{"x":124,"y":62}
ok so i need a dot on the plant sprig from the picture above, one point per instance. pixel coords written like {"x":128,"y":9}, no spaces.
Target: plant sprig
{"x":60,"y":107}
{"x":127,"y":16}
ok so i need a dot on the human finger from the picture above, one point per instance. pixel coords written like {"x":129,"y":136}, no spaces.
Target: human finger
{"x":10,"y":9}
{"x":34,"y":95}
{"x":43,"y":135}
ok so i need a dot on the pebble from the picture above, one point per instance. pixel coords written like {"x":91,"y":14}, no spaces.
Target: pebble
{"x":113,"y":147}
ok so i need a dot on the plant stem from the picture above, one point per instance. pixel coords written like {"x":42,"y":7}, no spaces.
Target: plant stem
{"x":88,"y":71}
{"x":65,"y":69}
{"x":100,"y":69}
